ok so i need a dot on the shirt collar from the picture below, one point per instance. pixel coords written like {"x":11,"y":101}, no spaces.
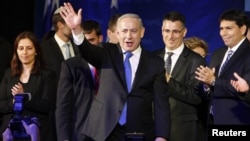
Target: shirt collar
{"x":177,"y":51}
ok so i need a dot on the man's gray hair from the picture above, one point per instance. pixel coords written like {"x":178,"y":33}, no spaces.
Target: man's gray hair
{"x":131,"y":15}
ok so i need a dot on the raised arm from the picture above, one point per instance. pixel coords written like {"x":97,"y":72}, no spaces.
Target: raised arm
{"x":72,"y":19}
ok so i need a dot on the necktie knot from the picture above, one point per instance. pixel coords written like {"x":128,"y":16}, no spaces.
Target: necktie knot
{"x":229,"y":55}
{"x":128,"y":55}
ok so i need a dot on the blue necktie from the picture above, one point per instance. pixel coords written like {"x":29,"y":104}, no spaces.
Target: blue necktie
{"x":128,"y":75}
{"x":229,"y":55}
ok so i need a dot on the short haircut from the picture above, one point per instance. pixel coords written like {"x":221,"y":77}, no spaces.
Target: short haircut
{"x":175,"y":16}
{"x":90,"y":25}
{"x":113,"y":21}
{"x":238,"y":16}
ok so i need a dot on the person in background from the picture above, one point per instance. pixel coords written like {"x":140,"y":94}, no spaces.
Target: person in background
{"x":196,"y":44}
{"x":28,"y":74}
{"x":57,"y":45}
{"x":185,"y":91}
{"x":76,"y":89}
{"x":92,"y":32}
{"x":132,"y":101}
{"x":225,"y":61}
{"x":112,"y":29}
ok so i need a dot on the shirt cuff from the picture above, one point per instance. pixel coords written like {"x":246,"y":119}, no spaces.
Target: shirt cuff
{"x":78,"y":39}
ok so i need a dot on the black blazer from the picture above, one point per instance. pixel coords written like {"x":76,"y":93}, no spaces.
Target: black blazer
{"x":53,"y":56}
{"x":185,"y":95}
{"x":74,"y":95}
{"x":42,"y":87}
{"x":226,"y":101}
{"x":147,"y":103}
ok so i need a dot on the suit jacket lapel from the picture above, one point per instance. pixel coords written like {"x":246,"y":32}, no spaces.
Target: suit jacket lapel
{"x":236,"y":55}
{"x":56,"y":49}
{"x":140,"y":69}
{"x":180,"y":62}
{"x":118,"y":65}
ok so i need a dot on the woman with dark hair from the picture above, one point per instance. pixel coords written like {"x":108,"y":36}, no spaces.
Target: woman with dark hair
{"x":28,"y":75}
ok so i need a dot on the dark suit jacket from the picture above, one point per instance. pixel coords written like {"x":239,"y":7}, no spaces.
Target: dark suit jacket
{"x":74,"y":96}
{"x":147,"y":103}
{"x":5,"y":57}
{"x":42,"y":87}
{"x":185,"y":96}
{"x":53,"y":56}
{"x":226,"y":101}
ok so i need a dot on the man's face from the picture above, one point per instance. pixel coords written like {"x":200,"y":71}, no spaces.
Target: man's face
{"x":173,"y":33}
{"x":129,"y":33}
{"x":231,"y":33}
{"x":93,"y":38}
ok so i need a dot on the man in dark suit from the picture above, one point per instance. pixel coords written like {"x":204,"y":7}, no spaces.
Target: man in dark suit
{"x":147,"y":102}
{"x":185,"y":96}
{"x":226,"y":101}
{"x":53,"y":44}
{"x":76,"y":89}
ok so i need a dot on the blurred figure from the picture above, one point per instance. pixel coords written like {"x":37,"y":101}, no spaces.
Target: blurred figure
{"x":201,"y":47}
{"x":57,"y":45}
{"x":76,"y":89}
{"x":225,"y":61}
{"x":32,"y":130}
{"x":248,"y":33}
{"x":185,"y":91}
{"x":132,"y":96}
{"x":197,"y":45}
{"x":28,"y":74}
{"x":92,"y":32}
{"x":112,"y":31}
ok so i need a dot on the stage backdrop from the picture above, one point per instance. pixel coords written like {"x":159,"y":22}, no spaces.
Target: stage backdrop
{"x":201,"y":16}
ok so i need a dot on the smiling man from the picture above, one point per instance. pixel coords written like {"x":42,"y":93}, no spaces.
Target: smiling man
{"x":225,"y":61}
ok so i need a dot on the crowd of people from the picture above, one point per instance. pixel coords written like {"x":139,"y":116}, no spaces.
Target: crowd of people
{"x":84,"y":88}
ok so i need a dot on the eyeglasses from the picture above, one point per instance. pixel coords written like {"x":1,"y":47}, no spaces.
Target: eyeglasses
{"x":175,"y":32}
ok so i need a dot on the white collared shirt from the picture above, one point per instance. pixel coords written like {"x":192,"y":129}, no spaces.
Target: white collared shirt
{"x":60,"y":43}
{"x":134,"y":60}
{"x":175,"y":56}
{"x":234,"y":49}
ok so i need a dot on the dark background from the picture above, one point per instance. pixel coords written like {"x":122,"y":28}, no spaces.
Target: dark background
{"x":201,"y":16}
{"x":16,"y":16}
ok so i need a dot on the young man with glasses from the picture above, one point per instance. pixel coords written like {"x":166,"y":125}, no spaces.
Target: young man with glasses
{"x":184,"y":89}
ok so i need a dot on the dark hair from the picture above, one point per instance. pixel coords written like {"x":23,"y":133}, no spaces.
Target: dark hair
{"x":175,"y":16}
{"x":16,"y":65}
{"x":57,"y":18}
{"x":113,"y":21}
{"x":90,"y":25}
{"x":236,"y":15}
